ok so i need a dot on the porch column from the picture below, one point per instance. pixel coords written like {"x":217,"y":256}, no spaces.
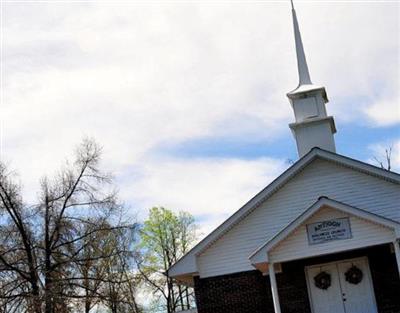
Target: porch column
{"x":274,"y":288}
{"x":397,"y":251}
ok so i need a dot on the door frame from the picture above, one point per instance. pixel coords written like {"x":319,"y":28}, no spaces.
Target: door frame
{"x":368,"y":275}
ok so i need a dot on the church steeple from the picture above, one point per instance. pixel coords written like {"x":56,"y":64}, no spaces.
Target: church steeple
{"x":313,"y":127}
{"x":304,"y":74}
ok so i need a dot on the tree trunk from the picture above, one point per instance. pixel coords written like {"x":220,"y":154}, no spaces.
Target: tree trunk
{"x":48,"y":283}
{"x":87,"y":303}
{"x":181,"y":297}
{"x":36,"y":303}
{"x":187,"y":298}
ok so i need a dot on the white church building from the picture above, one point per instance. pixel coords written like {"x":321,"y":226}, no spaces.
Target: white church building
{"x":323,"y":237}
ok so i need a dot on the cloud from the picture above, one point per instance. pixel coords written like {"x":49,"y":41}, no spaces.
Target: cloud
{"x":356,"y":55}
{"x":141,"y":77}
{"x":385,"y":113}
{"x":209,"y":188}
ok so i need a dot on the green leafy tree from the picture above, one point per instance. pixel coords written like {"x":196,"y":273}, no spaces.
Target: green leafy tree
{"x":165,"y":238}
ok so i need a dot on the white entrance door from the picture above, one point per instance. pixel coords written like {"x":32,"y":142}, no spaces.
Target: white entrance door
{"x":329,"y":300}
{"x":342,"y":296}
{"x":358,"y":298}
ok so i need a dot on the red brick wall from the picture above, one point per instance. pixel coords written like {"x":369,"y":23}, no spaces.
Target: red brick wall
{"x":246,"y":292}
{"x":292,"y":289}
{"x":249,"y":292}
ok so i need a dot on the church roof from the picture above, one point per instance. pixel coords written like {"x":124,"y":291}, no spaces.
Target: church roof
{"x":187,"y":264}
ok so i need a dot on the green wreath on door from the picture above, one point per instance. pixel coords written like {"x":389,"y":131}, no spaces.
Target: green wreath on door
{"x":323,"y":280}
{"x":354,"y":275}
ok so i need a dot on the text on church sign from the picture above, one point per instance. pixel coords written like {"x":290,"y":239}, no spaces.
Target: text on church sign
{"x":335,"y":229}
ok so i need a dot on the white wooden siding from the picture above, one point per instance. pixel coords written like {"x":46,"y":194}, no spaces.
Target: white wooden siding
{"x":364,"y":234}
{"x":321,"y":178}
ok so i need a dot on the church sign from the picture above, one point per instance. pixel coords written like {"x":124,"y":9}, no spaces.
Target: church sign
{"x":335,"y":229}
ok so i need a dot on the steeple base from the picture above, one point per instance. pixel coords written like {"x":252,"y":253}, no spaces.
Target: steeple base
{"x":315,"y":132}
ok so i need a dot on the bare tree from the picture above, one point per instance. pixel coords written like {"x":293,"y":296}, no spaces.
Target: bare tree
{"x":45,"y":247}
{"x":121,"y":280}
{"x":18,"y":248}
{"x":106,"y":281}
{"x":387,"y":163}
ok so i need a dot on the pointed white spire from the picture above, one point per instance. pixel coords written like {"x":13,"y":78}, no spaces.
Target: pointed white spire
{"x":304,"y":75}
{"x":313,"y":126}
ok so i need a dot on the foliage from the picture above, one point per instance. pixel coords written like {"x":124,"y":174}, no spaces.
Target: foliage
{"x":165,"y":238}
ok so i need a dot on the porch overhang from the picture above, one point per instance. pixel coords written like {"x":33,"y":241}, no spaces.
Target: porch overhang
{"x":264,"y":255}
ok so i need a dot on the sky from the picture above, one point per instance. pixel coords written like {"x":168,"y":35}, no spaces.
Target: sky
{"x":188,"y":98}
